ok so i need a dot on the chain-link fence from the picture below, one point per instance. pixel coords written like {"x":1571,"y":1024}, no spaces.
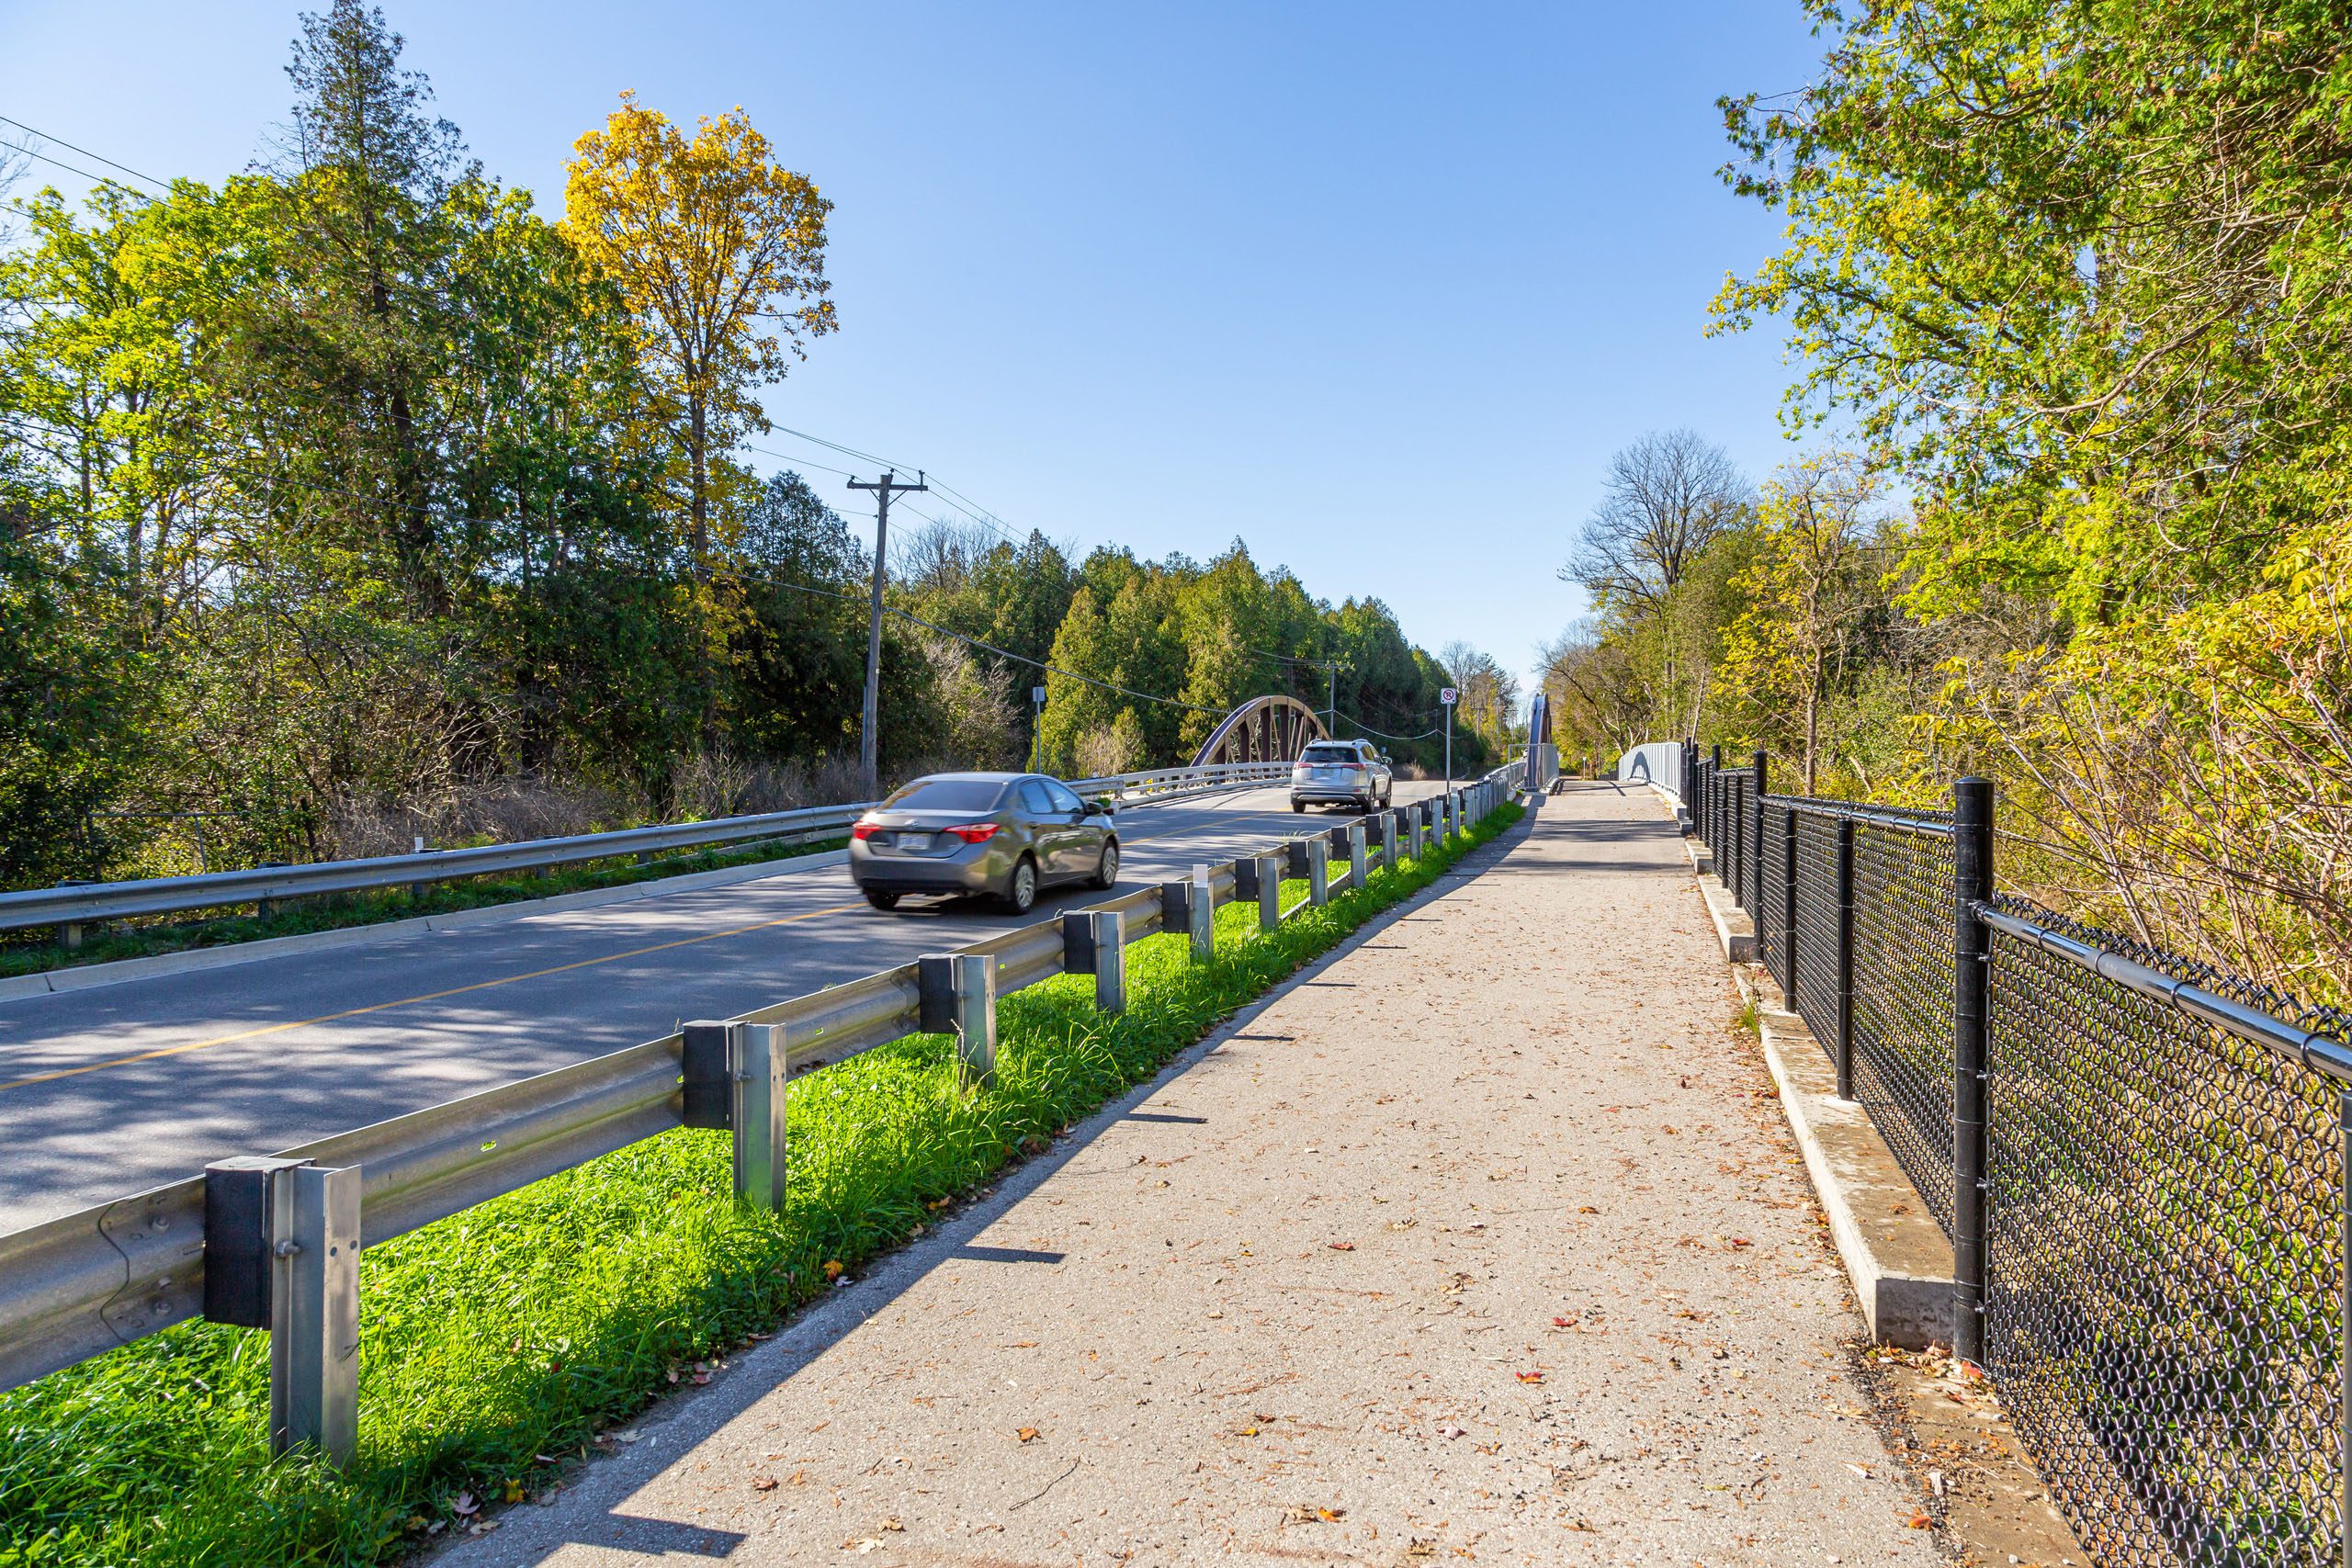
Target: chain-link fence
{"x":2162,"y":1243}
{"x":2163,"y":1315}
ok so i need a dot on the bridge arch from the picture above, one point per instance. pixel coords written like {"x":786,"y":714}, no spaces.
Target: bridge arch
{"x":1264,"y":729}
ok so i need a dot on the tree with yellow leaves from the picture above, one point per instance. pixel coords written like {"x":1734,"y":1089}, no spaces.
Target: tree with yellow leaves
{"x":1808,"y":591}
{"x":721,"y":253}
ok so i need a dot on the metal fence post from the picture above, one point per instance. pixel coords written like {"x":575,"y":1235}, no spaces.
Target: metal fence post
{"x":759,"y":1076}
{"x":2344,"y":1344}
{"x":1318,"y":871}
{"x":1736,"y":810}
{"x":1716,"y":777}
{"x":1358,"y":857}
{"x":1971,"y":982}
{"x":1788,"y":900}
{"x":1388,"y":839}
{"x":314,"y":1311}
{"x":1842,"y":1044}
{"x":1269,"y":892}
{"x":1757,"y":876}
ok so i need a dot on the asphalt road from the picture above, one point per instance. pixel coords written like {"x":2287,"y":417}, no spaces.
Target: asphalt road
{"x":107,"y":1091}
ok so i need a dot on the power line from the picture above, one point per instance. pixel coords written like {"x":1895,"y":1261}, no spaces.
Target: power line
{"x":1424,"y":735}
{"x":94,"y":179}
{"x":70,"y":147}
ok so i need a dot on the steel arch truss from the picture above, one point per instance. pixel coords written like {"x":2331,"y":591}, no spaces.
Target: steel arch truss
{"x":1264,"y":729}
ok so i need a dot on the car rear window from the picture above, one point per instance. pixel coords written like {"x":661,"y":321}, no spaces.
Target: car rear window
{"x":946,"y":794}
{"x":1331,"y":754}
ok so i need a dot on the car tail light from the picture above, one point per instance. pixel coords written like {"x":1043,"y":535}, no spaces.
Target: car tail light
{"x":975,"y":832}
{"x":864,"y":830}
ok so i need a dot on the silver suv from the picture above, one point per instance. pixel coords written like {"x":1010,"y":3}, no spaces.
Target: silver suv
{"x":1342,"y":773}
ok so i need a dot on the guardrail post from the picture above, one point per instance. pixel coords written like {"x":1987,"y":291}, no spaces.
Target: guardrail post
{"x":1972,"y":983}
{"x":959,"y":997}
{"x":760,"y":1075}
{"x":1358,"y":867}
{"x":1388,"y":839}
{"x":265,"y":908}
{"x":1788,"y":900}
{"x":1842,"y":1042}
{"x":1318,"y":871}
{"x":1200,"y":911}
{"x":314,"y":1311}
{"x":69,"y":935}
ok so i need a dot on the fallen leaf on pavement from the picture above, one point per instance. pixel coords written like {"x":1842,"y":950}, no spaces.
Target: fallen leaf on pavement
{"x":764,"y":1483}
{"x":1343,"y":1247}
{"x":1026,"y":1433}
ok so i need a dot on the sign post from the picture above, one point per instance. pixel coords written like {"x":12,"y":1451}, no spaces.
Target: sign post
{"x":1447,"y":694}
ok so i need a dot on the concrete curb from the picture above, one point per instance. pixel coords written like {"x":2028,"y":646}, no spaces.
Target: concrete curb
{"x":1734,"y":930}
{"x":81,"y":977}
{"x":1898,"y":1259}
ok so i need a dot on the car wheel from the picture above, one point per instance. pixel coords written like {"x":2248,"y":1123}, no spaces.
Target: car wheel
{"x":1106,"y":872}
{"x":1021,"y":888}
{"x":1298,"y":805}
{"x":881,"y":900}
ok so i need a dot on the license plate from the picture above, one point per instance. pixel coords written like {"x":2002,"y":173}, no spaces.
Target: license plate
{"x":914,"y":840}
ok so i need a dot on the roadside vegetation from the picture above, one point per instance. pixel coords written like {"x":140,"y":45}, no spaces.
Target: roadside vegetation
{"x":33,"y":953}
{"x":2067,"y":290}
{"x":350,"y":489}
{"x":502,"y":1345}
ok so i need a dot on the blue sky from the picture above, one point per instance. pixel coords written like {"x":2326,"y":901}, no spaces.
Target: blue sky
{"x":1375,"y":288}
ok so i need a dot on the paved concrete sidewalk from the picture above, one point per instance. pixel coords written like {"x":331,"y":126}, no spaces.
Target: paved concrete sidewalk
{"x":1483,"y":1242}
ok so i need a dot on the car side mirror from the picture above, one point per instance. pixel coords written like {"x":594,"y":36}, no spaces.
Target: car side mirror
{"x":1384,"y":759}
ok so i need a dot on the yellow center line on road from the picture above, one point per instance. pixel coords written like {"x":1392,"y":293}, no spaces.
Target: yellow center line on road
{"x":460,"y":990}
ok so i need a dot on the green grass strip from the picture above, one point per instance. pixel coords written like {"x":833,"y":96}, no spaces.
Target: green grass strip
{"x":496,"y":1343}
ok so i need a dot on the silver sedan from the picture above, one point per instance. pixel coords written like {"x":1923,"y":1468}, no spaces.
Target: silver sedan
{"x":1006,"y":834}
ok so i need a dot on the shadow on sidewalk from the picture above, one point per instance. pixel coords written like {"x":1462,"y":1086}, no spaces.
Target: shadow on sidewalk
{"x":675,"y":1426}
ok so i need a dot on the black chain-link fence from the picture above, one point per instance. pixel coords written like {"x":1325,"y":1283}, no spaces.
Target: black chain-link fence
{"x":2164,"y":1313}
{"x":1814,"y":994}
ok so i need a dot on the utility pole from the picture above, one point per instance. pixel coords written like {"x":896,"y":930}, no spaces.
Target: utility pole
{"x":1331,"y":705}
{"x":868,"y":765}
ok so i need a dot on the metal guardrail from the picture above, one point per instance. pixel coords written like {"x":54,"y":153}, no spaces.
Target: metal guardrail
{"x":85,"y":903}
{"x":81,"y":1284}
